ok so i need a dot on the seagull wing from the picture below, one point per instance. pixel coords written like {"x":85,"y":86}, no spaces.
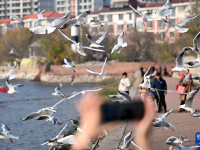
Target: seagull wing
{"x":135,"y":145}
{"x":125,"y":95}
{"x":103,"y":65}
{"x":58,"y":21}
{"x":164,"y":116}
{"x":187,"y":20}
{"x":172,"y":138}
{"x":32,"y":116}
{"x":135,"y":10}
{"x":179,"y":59}
{"x":196,"y":77}
{"x":5,"y":128}
{"x":67,"y":37}
{"x":57,"y":90}
{"x":18,"y":85}
{"x":70,"y":139}
{"x":9,"y":84}
{"x":95,"y":145}
{"x":153,"y":18}
{"x":92,"y":90}
{"x":102,"y":38}
{"x":196,"y":39}
{"x":11,"y":70}
{"x":120,"y":38}
{"x":67,"y":62}
{"x":147,"y":72}
{"x":89,"y":38}
{"x":13,"y":137}
{"x":99,"y":50}
{"x":127,"y":138}
{"x":190,"y":96}
{"x":40,"y":15}
{"x":62,"y":130}
{"x":54,"y":106}
{"x":43,"y":117}
{"x":70,"y":22}
{"x":174,"y":145}
{"x":91,"y":71}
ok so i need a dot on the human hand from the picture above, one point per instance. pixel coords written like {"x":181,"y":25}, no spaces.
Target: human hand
{"x":165,"y":93}
{"x":122,"y":84}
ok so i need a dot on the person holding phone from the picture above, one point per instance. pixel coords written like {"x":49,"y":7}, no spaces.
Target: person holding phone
{"x":125,"y":83}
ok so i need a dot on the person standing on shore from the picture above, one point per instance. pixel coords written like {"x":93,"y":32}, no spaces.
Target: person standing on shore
{"x":125,"y":83}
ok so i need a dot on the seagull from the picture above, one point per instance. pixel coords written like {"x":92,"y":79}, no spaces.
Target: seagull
{"x":68,"y":64}
{"x":96,"y":43}
{"x":119,"y":44}
{"x":124,"y":94}
{"x":11,"y":51}
{"x":179,"y":63}
{"x":196,"y":78}
{"x":96,"y":22}
{"x":52,"y":119}
{"x":179,"y":27}
{"x":60,"y":84}
{"x":9,"y":75}
{"x":181,"y":147}
{"x":79,"y":46}
{"x":189,"y":99}
{"x":165,"y":8}
{"x":6,"y":134}
{"x":83,"y":16}
{"x":47,"y":29}
{"x":58,"y":92}
{"x":176,"y":140}
{"x":58,"y":21}
{"x":16,"y":17}
{"x":11,"y":88}
{"x":196,"y":115}
{"x":99,"y":73}
{"x":144,"y":17}
{"x":118,"y":98}
{"x":70,"y":23}
{"x":94,"y":147}
{"x":147,"y":84}
{"x":74,"y":122}
{"x":53,"y":142}
{"x":70,"y":139}
{"x":40,"y":17}
{"x":161,"y":121}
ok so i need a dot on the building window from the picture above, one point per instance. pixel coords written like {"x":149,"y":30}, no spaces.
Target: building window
{"x":36,"y":9}
{"x":101,"y":17}
{"x":181,"y":8}
{"x":129,"y":26}
{"x":173,"y":12}
{"x":90,"y":6}
{"x":94,"y":29}
{"x":150,"y":24}
{"x":80,"y":1}
{"x":161,"y":24}
{"x":171,"y":34}
{"x":120,"y":27}
{"x":94,"y":18}
{"x":110,"y":28}
{"x":80,"y":7}
{"x":109,"y":17}
{"x":139,"y":25}
{"x":85,"y":7}
{"x":172,"y":21}
{"x":120,"y":16}
{"x":89,"y":0}
{"x":85,"y":1}
{"x":130,"y":16}
{"x":149,"y":11}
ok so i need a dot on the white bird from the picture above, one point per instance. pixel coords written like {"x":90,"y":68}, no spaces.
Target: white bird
{"x":83,"y":16}
{"x":176,"y":140}
{"x":61,"y":85}
{"x":165,"y":8}
{"x":58,"y":21}
{"x":196,"y":78}
{"x":11,"y":88}
{"x":40,"y":17}
{"x":189,"y":99}
{"x":196,"y":115}
{"x":79,"y":46}
{"x":11,"y":51}
{"x":15,"y":17}
{"x":147,"y":79}
{"x":94,"y":147}
{"x":70,"y":139}
{"x":96,"y":22}
{"x":58,"y":92}
{"x":47,"y":29}
{"x":97,"y":42}
{"x":70,"y":23}
{"x":161,"y":121}
{"x":53,"y":142}
{"x":179,"y":63}
{"x":179,"y":27}
{"x":117,"y":98}
{"x":48,"y":118}
{"x":144,"y":17}
{"x":68,"y":64}
{"x":99,"y":73}
{"x":6,"y":134}
{"x":119,"y":44}
{"x":9,"y":75}
{"x":128,"y":98}
{"x":74,"y":122}
{"x":181,"y":147}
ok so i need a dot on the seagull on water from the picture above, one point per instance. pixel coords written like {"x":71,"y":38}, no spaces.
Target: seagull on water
{"x":40,"y":17}
{"x":189,"y":99}
{"x":176,"y":140}
{"x":161,"y":121}
{"x":9,"y":75}
{"x":97,"y":42}
{"x":179,"y":27}
{"x":99,"y":73}
{"x":119,"y":44}
{"x":11,"y":88}
{"x":165,"y":8}
{"x":68,"y":64}
{"x":179,"y":63}
{"x":181,"y":147}
{"x":53,"y":142}
{"x":6,"y":134}
{"x":79,"y":46}
{"x":15,"y":17}
{"x":144,"y":17}
{"x":48,"y":118}
{"x":96,"y":22}
{"x":147,"y":83}
{"x":58,"y":92}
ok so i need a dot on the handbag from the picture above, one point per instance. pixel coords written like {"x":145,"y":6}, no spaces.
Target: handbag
{"x":181,"y":89}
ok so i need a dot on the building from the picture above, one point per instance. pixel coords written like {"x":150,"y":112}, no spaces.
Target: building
{"x":151,"y":1}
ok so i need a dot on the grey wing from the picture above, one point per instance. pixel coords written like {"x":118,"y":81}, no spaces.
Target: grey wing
{"x":52,"y":148}
{"x":95,"y":145}
{"x":74,"y":122}
{"x":89,"y":38}
{"x":59,"y":103}
{"x":190,"y":96}
{"x":57,"y":90}
{"x":120,"y":38}
{"x":172,"y":138}
{"x":32,"y":116}
{"x":147,"y":72}
{"x":164,"y":116}
{"x":18,"y":85}
{"x":68,"y":62}
{"x":127,"y":138}
{"x":174,"y":145}
{"x":9,"y":84}
{"x":91,"y":71}
{"x":94,"y":49}
{"x":196,"y":39}
{"x":187,"y":20}
{"x":43,"y":117}
{"x":69,"y":23}
{"x":192,"y":147}
{"x":58,"y":21}
{"x":40,"y":15}
{"x":125,"y":95}
{"x":102,"y":38}
{"x":67,"y":36}
{"x":179,"y":59}
{"x":135,"y":10}
{"x":196,"y":77}
{"x":5,"y":128}
{"x":63,"y":129}
{"x":11,"y":70}
{"x":135,"y":145}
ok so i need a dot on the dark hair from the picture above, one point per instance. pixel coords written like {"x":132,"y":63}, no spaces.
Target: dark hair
{"x":158,"y":74}
{"x":188,"y":70}
{"x":124,"y":74}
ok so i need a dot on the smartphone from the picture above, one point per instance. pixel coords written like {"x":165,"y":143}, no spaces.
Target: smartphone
{"x":122,"y":111}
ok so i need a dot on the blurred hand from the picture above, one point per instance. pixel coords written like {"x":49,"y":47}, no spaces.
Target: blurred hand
{"x":165,"y":93}
{"x":122,"y":84}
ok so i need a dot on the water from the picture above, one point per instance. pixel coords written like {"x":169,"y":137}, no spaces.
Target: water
{"x":32,"y":133}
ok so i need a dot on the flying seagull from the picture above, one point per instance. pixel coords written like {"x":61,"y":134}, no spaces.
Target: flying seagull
{"x":58,"y":92}
{"x":147,"y":83}
{"x":176,"y":140}
{"x":15,"y":17}
{"x":99,"y":73}
{"x":70,"y":139}
{"x":189,"y":99}
{"x":74,"y":122}
{"x":68,"y":64}
{"x":83,"y":16}
{"x":162,"y":123}
{"x":96,"y":22}
{"x":79,"y":46}
{"x":6,"y":134}
{"x":70,"y":23}
{"x":124,"y":94}
{"x":165,"y":8}
{"x":181,"y":147}
{"x":11,"y":51}
{"x":9,"y":75}
{"x":119,"y":44}
{"x":196,"y":78}
{"x":58,"y":21}
{"x":40,"y":17}
{"x":97,"y":42}
{"x":48,"y":118}
{"x":11,"y":88}
{"x":179,"y":27}
{"x":118,"y":98}
{"x":144,"y":17}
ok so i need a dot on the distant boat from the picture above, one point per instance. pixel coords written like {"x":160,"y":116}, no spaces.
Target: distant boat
{"x":3,"y":89}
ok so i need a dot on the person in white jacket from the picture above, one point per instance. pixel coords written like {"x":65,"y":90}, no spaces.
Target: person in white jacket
{"x":125,"y":83}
